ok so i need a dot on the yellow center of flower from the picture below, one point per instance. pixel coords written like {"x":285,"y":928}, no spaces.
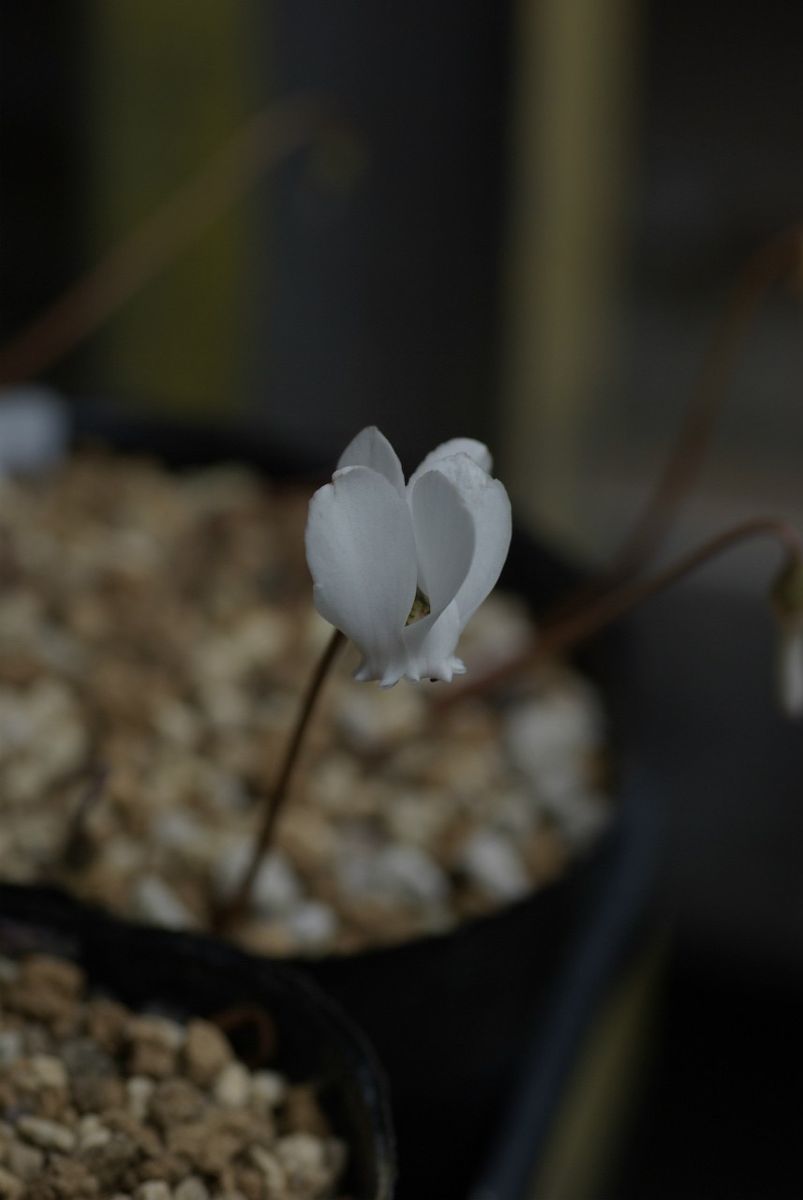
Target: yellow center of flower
{"x":420,"y":607}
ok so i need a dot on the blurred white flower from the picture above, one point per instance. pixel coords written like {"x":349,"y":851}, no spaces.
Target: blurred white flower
{"x":790,"y":671}
{"x":787,"y":603}
{"x":378,"y":548}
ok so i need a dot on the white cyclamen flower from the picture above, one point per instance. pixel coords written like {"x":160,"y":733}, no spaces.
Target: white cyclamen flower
{"x":374,"y":544}
{"x":790,"y":671}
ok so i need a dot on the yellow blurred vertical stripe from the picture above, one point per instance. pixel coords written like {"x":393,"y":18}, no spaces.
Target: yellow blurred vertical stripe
{"x":571,"y":144}
{"x":167,"y":87}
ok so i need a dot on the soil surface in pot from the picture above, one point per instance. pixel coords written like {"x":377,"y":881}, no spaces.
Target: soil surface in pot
{"x":156,"y":633}
{"x":99,"y":1101}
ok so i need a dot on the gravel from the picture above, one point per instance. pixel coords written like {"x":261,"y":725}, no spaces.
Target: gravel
{"x":156,"y":633}
{"x":190,"y":1123}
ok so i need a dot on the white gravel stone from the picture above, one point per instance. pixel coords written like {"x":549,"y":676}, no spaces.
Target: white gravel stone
{"x":268,"y":1090}
{"x":558,"y":726}
{"x":579,"y":813}
{"x":191,"y":1188}
{"x":48,"y":1072}
{"x":304,"y":1160}
{"x":491,"y":863}
{"x":153,"y":900}
{"x":368,"y":726}
{"x":232,"y":1088}
{"x":413,"y":875}
{"x":154,"y":1189}
{"x":139,"y":1090}
{"x":311,"y":924}
{"x":160,"y":1031}
{"x":92,"y":1131}
{"x":11,"y":1046}
{"x":277,"y":888}
{"x":174,"y":829}
{"x":272,"y":1170}
{"x":394,"y":874}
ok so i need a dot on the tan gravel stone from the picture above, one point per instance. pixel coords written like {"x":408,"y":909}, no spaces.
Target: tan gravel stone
{"x":48,"y":1135}
{"x":232,"y":1087}
{"x":206,"y":1051}
{"x":191,"y":1188}
{"x":153,"y":1190}
{"x":10,"y":1186}
{"x":25,"y":1161}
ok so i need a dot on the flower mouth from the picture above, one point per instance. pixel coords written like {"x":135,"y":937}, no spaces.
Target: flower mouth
{"x":421,"y":608}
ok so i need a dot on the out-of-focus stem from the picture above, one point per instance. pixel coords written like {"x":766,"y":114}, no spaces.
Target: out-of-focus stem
{"x":263,"y":142}
{"x":562,"y":633}
{"x":779,"y":259}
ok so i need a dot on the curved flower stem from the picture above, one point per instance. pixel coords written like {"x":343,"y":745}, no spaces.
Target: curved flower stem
{"x":265,"y":140}
{"x":277,"y":796}
{"x":779,"y":259}
{"x":773,"y":262}
{"x":561,"y":633}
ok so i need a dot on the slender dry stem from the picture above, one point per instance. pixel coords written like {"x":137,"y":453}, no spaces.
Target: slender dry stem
{"x":265,"y":140}
{"x":779,"y":259}
{"x":561,"y":633}
{"x":277,"y":796}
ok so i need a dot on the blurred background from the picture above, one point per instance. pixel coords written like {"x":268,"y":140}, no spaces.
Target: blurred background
{"x":519,"y":221}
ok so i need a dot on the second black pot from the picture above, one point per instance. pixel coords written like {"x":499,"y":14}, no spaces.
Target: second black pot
{"x":189,"y":975}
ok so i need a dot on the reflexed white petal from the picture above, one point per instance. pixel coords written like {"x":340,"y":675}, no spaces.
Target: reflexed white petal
{"x":370,"y":448}
{"x":487,"y":501}
{"x":430,"y":644}
{"x":361,"y":553}
{"x":444,"y":538}
{"x":477,"y":451}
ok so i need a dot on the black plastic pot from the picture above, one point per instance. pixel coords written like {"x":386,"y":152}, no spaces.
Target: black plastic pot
{"x":190,"y":975}
{"x":478,"y":1029}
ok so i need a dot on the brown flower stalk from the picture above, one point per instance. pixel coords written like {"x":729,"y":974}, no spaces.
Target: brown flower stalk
{"x":275,"y":799}
{"x":561,"y":633}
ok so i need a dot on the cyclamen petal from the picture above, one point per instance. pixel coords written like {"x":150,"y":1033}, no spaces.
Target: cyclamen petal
{"x":371,"y":543}
{"x":487,"y":501}
{"x":361,"y":553}
{"x":370,"y":448}
{"x":444,"y":538}
{"x":430,"y":644}
{"x":477,"y":451}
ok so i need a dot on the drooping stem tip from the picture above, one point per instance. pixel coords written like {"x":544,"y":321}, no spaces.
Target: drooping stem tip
{"x":563,"y":632}
{"x":779,"y":260}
